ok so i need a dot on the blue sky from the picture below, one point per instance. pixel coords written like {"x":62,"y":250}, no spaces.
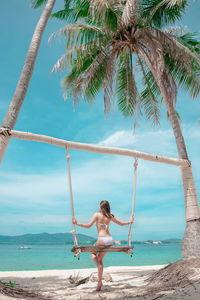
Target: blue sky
{"x":33,"y":187}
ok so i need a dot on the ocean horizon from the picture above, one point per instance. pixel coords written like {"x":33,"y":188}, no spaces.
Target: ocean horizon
{"x":52,"y":257}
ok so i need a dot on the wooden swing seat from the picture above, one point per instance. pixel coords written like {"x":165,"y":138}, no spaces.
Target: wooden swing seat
{"x":102,"y":248}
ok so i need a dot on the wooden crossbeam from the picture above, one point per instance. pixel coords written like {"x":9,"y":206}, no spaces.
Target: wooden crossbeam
{"x":99,"y":149}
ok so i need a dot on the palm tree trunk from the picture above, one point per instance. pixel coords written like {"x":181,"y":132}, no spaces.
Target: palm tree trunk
{"x":191,"y":239}
{"x":23,"y":83}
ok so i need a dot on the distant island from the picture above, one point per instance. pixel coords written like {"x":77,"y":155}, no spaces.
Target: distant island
{"x":44,"y":239}
{"x":65,"y":239}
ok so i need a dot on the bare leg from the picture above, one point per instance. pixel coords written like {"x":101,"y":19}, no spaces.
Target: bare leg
{"x":95,"y":259}
{"x":94,"y":254}
{"x":100,"y":270}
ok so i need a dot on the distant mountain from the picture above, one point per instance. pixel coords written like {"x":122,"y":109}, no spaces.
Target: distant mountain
{"x":45,"y":239}
{"x":64,"y":239}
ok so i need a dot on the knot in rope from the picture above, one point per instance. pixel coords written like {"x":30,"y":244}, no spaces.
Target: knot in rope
{"x":136,"y":163}
{"x":68,"y":155}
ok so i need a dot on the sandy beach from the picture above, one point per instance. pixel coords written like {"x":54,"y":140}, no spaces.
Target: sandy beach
{"x":127,"y":283}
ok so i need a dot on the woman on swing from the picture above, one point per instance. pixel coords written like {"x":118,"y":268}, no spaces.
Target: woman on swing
{"x":102,"y":219}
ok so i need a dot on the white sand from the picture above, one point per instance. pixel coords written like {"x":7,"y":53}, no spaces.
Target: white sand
{"x":67,"y":273}
{"x":126,"y":284}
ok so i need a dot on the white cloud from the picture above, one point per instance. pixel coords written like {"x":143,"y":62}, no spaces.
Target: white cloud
{"x":158,"y":142}
{"x":96,"y":178}
{"x":119,"y":139}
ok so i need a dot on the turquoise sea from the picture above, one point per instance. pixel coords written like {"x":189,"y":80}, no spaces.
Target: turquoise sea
{"x":41,"y":257}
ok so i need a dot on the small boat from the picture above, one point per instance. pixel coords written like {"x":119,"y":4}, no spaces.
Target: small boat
{"x":157,"y":243}
{"x":24,"y":247}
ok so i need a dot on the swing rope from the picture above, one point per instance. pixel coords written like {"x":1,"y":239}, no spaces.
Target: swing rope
{"x":71,"y":198}
{"x":78,"y":251}
{"x":133,"y":200}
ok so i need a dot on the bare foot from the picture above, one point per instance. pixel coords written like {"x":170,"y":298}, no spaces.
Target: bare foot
{"x":99,"y":286}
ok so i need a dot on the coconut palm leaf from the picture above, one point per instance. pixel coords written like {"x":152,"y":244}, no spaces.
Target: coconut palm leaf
{"x":37,"y":3}
{"x":74,"y":10}
{"x":79,"y":34}
{"x":78,"y":52}
{"x":98,"y":8}
{"x":173,"y":49}
{"x":162,"y":12}
{"x":109,"y":79}
{"x":86,"y":79}
{"x":150,"y":94}
{"x":190,"y":40}
{"x":126,"y":89}
{"x":188,"y":79}
{"x":95,"y":12}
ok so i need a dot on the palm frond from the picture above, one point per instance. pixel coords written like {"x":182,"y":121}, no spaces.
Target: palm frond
{"x":69,"y":83}
{"x":37,"y":3}
{"x":92,"y":68}
{"x":171,"y":47}
{"x":78,"y":52}
{"x":108,"y":80}
{"x":64,"y":14}
{"x":183,"y":63}
{"x":99,"y":8}
{"x":127,"y":92}
{"x":74,"y":10}
{"x":187,"y":50}
{"x":104,"y":12}
{"x":80,"y":34}
{"x":162,"y":12}
{"x":190,"y":40}
{"x":171,"y":3}
{"x":86,"y":79}
{"x":150,"y":95}
{"x":163,"y":78}
{"x":189,"y":81}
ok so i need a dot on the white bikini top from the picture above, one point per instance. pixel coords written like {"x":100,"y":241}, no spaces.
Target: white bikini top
{"x":106,"y":225}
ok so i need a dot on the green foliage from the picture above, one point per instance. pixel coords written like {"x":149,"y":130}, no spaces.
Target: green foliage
{"x":73,"y":11}
{"x":150,"y":94}
{"x":87,"y":75}
{"x":37,"y":3}
{"x":127,"y":92}
{"x":100,"y":50}
{"x":12,"y":284}
{"x":105,"y":14}
{"x":159,"y":15}
{"x":187,"y":77}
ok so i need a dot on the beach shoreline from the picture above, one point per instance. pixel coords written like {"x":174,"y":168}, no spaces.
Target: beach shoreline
{"x":68,"y":272}
{"x":125,"y":283}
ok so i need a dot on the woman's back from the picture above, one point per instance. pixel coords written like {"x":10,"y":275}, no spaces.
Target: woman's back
{"x":102,"y":224}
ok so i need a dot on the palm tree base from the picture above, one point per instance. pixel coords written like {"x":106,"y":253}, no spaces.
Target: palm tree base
{"x":191,"y":240}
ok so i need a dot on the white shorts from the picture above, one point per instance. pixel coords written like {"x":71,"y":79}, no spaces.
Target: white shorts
{"x":108,"y":241}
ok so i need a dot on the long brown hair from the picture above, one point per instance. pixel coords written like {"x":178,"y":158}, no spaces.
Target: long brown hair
{"x":105,"y":208}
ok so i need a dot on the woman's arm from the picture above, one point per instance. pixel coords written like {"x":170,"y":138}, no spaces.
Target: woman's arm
{"x":88,"y":225}
{"x":122,"y":223}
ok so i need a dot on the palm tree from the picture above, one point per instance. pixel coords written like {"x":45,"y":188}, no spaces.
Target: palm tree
{"x":23,"y":83}
{"x":106,"y":49}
